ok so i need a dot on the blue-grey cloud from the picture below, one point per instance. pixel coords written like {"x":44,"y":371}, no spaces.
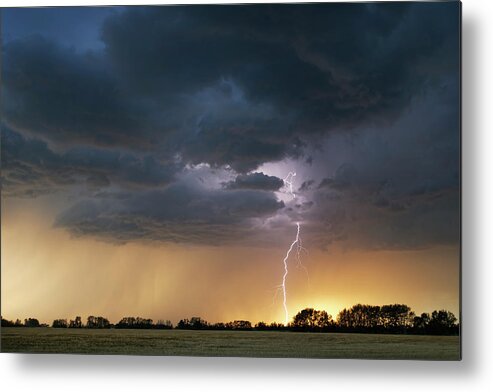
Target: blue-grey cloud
{"x":292,"y":73}
{"x":66,"y":97}
{"x":255,"y":181}
{"x":179,"y":213}
{"x":31,"y":168}
{"x":400,"y":186}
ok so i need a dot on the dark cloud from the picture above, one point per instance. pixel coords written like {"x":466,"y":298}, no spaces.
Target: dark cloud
{"x":345,"y":176}
{"x":306,"y":185}
{"x":401,"y":188}
{"x":330,"y":64}
{"x":357,"y":225}
{"x":167,"y":89}
{"x":236,"y":86}
{"x":255,"y":181}
{"x":64,"y":96}
{"x":179,"y":213}
{"x":420,"y":225}
{"x":30,"y":167}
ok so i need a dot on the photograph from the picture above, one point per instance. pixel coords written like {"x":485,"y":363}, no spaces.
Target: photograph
{"x":232,"y":180}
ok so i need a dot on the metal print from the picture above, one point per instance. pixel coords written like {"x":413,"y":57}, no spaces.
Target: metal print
{"x":236,"y":180}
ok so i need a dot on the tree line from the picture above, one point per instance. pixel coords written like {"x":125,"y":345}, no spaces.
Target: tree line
{"x":92,"y":322}
{"x":396,"y":318}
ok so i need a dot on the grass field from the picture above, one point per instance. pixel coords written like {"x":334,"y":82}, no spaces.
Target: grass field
{"x":229,"y":343}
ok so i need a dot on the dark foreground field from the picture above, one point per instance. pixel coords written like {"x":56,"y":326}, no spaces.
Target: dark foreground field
{"x":229,"y":343}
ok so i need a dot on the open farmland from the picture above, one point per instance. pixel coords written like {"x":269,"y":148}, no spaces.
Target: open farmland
{"x":229,"y":343}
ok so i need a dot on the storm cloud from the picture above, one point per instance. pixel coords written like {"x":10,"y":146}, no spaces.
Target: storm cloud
{"x":259,"y":181}
{"x":179,"y":213}
{"x":363,"y":97}
{"x":31,"y":168}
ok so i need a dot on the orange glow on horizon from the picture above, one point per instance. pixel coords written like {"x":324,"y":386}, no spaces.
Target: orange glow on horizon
{"x":47,"y":274}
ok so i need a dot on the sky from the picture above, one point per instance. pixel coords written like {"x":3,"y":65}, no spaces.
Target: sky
{"x":144,"y":154}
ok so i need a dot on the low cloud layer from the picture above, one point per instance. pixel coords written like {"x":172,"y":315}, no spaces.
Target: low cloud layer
{"x":31,"y":168}
{"x":177,"y":214}
{"x":256,"y":181}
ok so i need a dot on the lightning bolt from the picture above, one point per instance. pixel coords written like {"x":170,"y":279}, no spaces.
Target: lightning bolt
{"x":288,"y":183}
{"x":296,"y":244}
{"x":286,"y":271}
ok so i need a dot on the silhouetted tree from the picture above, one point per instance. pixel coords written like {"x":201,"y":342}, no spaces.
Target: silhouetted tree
{"x":97,"y":322}
{"x":162,"y":324}
{"x":396,"y":317}
{"x":135,"y":323}
{"x":442,"y":322}
{"x":310,"y":319}
{"x":77,"y":323}
{"x":389,"y":318}
{"x":31,"y":323}
{"x":239,"y":325}
{"x":198,"y":323}
{"x":183,"y":324}
{"x":420,"y":323}
{"x":193,"y":323}
{"x":7,"y":323}
{"x":59,"y":323}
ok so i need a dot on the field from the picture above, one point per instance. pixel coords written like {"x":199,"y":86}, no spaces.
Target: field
{"x":229,"y":343}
